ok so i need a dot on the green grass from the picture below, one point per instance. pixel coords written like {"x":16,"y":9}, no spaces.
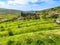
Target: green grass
{"x":32,"y":32}
{"x":43,"y":36}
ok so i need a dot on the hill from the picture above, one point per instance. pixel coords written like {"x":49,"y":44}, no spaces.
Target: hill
{"x":8,"y":13}
{"x":47,"y":12}
{"x":41,"y":14}
{"x":41,"y":31}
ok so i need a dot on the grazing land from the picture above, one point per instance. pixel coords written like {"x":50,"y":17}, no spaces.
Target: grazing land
{"x":39,"y":29}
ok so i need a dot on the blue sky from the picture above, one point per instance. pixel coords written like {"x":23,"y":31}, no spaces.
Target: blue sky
{"x":27,"y":5}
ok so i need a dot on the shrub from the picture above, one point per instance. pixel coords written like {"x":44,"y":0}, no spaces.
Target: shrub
{"x":51,"y":41}
{"x":57,"y":37}
{"x":51,"y":28}
{"x":19,"y":26}
{"x":39,"y":42}
{"x":44,"y":16}
{"x":18,"y":43}
{"x":43,"y":28}
{"x":33,"y":30}
{"x":10,"y":42}
{"x":41,"y":33}
{"x":10,"y":32}
{"x":54,"y":15}
{"x":2,"y":29}
{"x":29,"y":41}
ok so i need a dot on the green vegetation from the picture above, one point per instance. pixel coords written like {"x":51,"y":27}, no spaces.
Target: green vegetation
{"x":8,"y":13}
{"x":41,"y":31}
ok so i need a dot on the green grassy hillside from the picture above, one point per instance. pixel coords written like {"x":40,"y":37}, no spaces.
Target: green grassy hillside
{"x":11,"y":13}
{"x":8,"y":13}
{"x":33,"y":32}
{"x":42,"y":31}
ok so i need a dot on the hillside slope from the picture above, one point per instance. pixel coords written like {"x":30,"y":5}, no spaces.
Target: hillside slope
{"x":33,"y":32}
{"x":30,"y":32}
{"x":8,"y":13}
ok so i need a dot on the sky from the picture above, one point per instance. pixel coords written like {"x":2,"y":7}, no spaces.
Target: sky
{"x":29,"y":5}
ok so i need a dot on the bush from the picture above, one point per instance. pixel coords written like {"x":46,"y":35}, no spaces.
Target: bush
{"x":2,"y":29}
{"x":18,"y":43}
{"x":54,"y":15}
{"x":10,"y":32}
{"x":29,"y":41}
{"x":51,"y":28}
{"x":39,"y":42}
{"x":33,"y":31}
{"x":51,"y":41}
{"x":10,"y":42}
{"x":42,"y":28}
{"x":19,"y":26}
{"x":44,"y":16}
{"x":57,"y":37}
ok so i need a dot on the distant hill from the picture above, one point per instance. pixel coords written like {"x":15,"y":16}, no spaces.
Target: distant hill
{"x":42,"y":13}
{"x":47,"y":11}
{"x":4,"y":11}
{"x":9,"y":11}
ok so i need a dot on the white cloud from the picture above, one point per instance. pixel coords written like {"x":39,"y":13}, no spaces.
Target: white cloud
{"x":2,"y":3}
{"x":26,"y":2}
{"x":45,"y":0}
{"x":10,"y":2}
{"x":22,"y":2}
{"x":48,"y":1}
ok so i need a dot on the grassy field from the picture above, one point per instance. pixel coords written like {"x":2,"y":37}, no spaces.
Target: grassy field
{"x":30,"y":32}
{"x":32,"y":29}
